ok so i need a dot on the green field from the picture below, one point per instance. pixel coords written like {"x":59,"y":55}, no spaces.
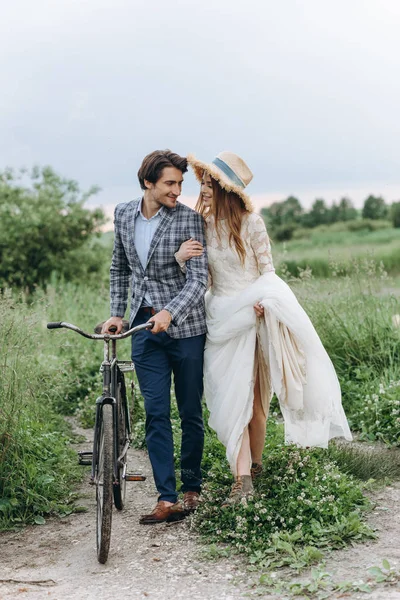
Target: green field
{"x":339,"y":251}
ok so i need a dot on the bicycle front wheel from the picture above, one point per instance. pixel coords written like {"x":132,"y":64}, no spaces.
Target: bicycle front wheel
{"x":119,"y":488}
{"x":104,"y":484}
{"x":123,"y":443}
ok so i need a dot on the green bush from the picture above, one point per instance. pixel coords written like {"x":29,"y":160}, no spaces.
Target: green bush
{"x":395,"y":214}
{"x":375,"y":208}
{"x":284,"y":232}
{"x":368,"y":225}
{"x":44,"y":227}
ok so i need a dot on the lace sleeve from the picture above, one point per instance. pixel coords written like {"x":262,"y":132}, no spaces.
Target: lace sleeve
{"x":260,"y":243}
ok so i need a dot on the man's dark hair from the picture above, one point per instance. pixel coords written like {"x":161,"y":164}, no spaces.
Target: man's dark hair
{"x":154,"y":163}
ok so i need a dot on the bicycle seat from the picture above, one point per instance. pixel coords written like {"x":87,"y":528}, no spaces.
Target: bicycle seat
{"x":99,"y":326}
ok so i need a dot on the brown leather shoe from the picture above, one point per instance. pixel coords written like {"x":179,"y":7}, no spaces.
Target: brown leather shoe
{"x":190,"y":501}
{"x":163,"y":512}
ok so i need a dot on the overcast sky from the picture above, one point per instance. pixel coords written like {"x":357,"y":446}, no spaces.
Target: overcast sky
{"x":307,"y":91}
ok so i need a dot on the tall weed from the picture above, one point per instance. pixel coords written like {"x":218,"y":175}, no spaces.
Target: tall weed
{"x":356,"y":320}
{"x":42,"y":372}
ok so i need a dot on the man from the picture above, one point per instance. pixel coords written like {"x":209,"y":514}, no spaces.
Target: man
{"x":148,"y":231}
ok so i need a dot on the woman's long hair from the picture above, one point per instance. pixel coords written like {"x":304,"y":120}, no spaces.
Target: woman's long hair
{"x":228,"y":206}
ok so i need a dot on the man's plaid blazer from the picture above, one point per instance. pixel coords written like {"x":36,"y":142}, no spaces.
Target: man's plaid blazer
{"x":182,"y":295}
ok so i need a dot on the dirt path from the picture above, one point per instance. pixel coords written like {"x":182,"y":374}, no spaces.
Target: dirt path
{"x":58,"y":560}
{"x":351,"y":564}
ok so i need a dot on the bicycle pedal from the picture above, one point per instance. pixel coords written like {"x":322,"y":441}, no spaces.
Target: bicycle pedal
{"x":134,"y":477}
{"x":85,"y":458}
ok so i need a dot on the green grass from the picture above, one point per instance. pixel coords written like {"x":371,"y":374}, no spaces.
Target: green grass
{"x":327,"y":236}
{"x":43,"y":372}
{"x":366,"y":462}
{"x":354,"y":318}
{"x":327,"y":251}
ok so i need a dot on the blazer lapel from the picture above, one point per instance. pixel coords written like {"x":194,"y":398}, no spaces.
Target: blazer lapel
{"x":131,"y":217}
{"x":167,"y":217}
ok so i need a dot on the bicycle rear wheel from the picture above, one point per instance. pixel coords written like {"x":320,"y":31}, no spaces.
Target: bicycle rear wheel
{"x":104,"y":484}
{"x":119,"y":488}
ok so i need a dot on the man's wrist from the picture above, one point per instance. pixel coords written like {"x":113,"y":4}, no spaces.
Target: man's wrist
{"x":171,"y":318}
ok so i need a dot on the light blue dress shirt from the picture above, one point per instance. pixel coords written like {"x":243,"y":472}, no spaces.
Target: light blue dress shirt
{"x":143,"y":234}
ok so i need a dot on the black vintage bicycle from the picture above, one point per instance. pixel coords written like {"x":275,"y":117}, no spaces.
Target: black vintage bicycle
{"x":112,"y":432}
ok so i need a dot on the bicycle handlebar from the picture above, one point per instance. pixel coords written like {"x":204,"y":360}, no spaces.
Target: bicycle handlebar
{"x":98,"y":336}
{"x":54,"y":325}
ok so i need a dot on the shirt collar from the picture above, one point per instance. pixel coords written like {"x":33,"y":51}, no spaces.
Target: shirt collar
{"x":139,"y":211}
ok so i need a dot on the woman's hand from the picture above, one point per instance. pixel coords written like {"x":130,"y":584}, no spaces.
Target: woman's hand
{"x":259,"y":309}
{"x":189,"y":249}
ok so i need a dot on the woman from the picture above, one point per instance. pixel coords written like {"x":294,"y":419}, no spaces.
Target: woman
{"x":259,"y":338}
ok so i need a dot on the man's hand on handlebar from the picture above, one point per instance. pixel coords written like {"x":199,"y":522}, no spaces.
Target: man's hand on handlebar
{"x":112,"y":322}
{"x":161,"y":321}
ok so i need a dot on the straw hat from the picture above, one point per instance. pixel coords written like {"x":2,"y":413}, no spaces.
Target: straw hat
{"x":231,"y":172}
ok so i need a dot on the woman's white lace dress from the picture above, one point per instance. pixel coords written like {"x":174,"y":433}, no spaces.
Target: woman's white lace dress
{"x":283,"y":346}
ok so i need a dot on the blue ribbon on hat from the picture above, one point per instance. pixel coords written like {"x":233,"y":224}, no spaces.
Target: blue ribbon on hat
{"x":228,"y":172}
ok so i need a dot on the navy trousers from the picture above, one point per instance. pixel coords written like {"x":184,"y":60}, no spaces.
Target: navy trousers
{"x":156,"y":357}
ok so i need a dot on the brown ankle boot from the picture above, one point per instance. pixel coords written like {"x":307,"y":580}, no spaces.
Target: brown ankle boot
{"x":241,"y":488}
{"x":256,"y":470}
